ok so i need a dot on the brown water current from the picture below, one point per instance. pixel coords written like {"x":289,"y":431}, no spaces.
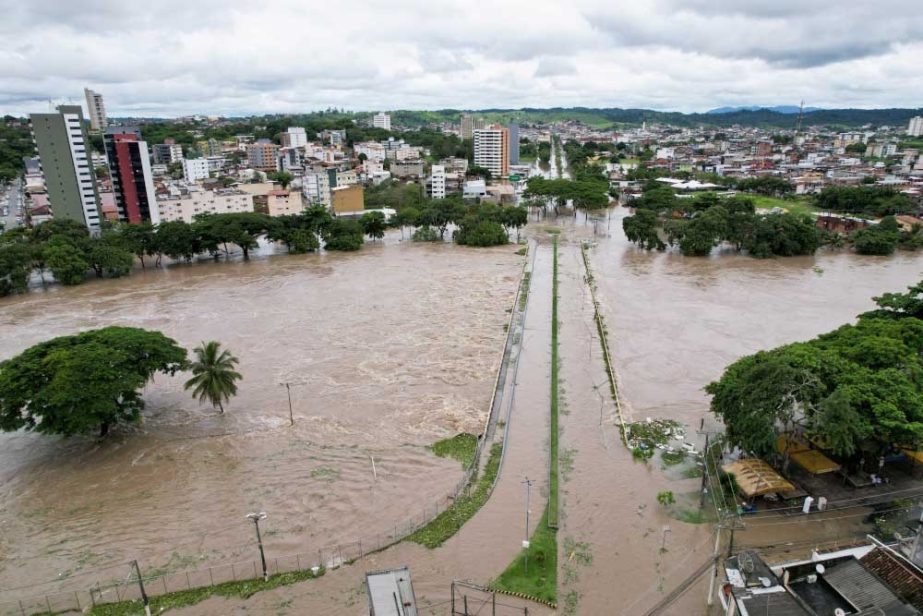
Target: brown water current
{"x":386,"y":351}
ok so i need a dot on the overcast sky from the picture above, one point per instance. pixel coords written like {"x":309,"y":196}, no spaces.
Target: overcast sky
{"x":176,"y":57}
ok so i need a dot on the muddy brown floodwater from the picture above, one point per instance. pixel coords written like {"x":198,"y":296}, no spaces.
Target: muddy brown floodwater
{"x":386,"y":351}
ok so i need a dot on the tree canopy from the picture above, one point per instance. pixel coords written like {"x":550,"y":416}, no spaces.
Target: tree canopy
{"x":857,"y":388}
{"x":84,"y":382}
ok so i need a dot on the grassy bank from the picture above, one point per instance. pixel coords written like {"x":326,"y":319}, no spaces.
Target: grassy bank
{"x":465,"y":506}
{"x":462,"y":447}
{"x":233,"y":590}
{"x":553,"y":440}
{"x":795,"y":206}
{"x":538,"y":578}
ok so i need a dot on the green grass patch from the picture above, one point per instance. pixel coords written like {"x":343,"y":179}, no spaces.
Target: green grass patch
{"x":242,"y":589}
{"x":553,"y":445}
{"x":524,"y":290}
{"x":462,"y":447}
{"x":463,"y":509}
{"x":794,"y":206}
{"x":693,"y":472}
{"x":672,"y":458}
{"x":540,"y":578}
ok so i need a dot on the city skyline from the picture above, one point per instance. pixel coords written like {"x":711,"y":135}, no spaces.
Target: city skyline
{"x":210,"y":58}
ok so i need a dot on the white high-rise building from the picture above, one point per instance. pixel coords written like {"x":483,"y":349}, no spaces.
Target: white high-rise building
{"x":492,"y":150}
{"x":96,"y":109}
{"x":915,"y":129}
{"x":195,"y":169}
{"x":61,"y":140}
{"x":437,"y":181}
{"x":382,"y":120}
{"x":295,"y":137}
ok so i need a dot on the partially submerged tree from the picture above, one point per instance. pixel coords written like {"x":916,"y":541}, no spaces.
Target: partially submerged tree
{"x":86,"y":382}
{"x":213,"y":375}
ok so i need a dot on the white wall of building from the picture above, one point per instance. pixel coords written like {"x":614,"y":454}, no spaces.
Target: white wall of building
{"x":195,"y":169}
{"x":188,"y":205}
{"x":382,"y":120}
{"x":437,"y":178}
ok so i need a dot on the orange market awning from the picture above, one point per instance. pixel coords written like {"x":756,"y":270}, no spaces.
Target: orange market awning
{"x":755,"y":477}
{"x":809,"y":459}
{"x":914,"y":454}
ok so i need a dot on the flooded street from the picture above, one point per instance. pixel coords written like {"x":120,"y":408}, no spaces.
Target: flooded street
{"x":386,"y":351}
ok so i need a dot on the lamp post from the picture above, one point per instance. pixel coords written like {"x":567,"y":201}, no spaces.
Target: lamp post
{"x":144,"y":599}
{"x":291,"y":417}
{"x":525,"y":542}
{"x":256,"y":517}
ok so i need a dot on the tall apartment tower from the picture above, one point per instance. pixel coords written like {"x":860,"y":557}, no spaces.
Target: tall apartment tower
{"x":295,"y":137}
{"x":492,"y":150}
{"x":96,"y":109}
{"x":469,"y":124}
{"x":382,"y":120}
{"x":130,"y":170}
{"x":61,"y":139}
{"x":437,"y":182}
{"x":514,"y":143}
{"x":915,"y":128}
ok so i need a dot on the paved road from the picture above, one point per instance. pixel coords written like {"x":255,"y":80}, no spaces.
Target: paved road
{"x":11,"y":204}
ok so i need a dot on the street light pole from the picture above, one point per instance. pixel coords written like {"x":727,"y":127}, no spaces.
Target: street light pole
{"x":256,"y":517}
{"x":525,"y":542}
{"x":144,"y":599}
{"x":291,"y":417}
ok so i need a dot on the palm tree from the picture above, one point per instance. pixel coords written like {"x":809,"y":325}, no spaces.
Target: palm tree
{"x":213,"y":374}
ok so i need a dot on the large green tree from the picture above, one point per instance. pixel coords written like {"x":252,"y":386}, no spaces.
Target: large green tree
{"x":213,"y":375}
{"x":859,"y":387}
{"x":85,"y":382}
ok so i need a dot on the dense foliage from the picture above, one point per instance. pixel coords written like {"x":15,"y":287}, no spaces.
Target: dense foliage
{"x":698,"y":224}
{"x":858,"y":388}
{"x":873,"y":200}
{"x":67,"y":250}
{"x":15,"y":143}
{"x":85,"y":382}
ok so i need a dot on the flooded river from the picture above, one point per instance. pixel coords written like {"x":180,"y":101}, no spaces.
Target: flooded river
{"x":386,"y":351}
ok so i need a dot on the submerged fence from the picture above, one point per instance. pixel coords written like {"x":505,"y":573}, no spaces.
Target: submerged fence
{"x":93,"y":592}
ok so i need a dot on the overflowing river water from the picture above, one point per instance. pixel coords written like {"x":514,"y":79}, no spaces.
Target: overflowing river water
{"x":386,"y":351}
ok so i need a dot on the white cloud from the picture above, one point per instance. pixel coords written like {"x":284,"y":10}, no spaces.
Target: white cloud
{"x":174,"y":57}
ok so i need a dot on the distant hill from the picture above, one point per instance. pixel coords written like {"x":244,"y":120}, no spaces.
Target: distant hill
{"x":777,"y":109}
{"x":621,"y":118}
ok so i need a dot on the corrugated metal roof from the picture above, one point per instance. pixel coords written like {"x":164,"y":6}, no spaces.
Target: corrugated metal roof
{"x":858,"y":586}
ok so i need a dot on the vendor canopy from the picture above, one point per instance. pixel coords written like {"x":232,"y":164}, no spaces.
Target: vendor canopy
{"x":801,"y":453}
{"x":755,"y":477}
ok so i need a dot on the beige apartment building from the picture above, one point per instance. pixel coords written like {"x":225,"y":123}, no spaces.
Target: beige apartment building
{"x":188,"y":205}
{"x":279,"y":203}
{"x":347,"y":200}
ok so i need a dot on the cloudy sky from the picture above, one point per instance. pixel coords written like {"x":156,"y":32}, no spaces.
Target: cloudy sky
{"x":175,"y":57}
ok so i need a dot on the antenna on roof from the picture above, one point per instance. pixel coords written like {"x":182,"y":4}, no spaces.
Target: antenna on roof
{"x":800,"y":118}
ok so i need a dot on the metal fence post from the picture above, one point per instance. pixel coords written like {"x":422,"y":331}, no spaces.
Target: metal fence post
{"x":21,"y":608}
{"x":188,"y":584}
{"x":233,"y":572}
{"x":360,"y":548}
{"x":77,"y":599}
{"x":298,"y":561}
{"x":211,"y":578}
